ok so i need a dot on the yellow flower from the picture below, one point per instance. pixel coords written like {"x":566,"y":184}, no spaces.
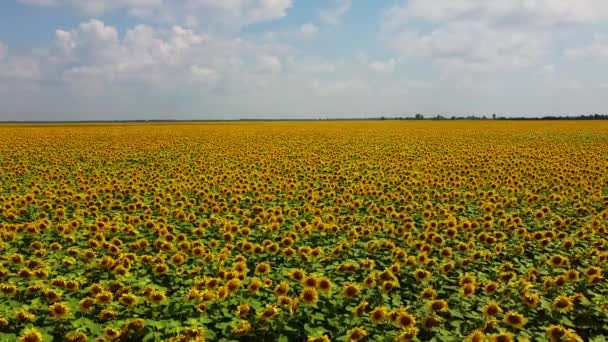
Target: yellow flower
{"x":357,"y":334}
{"x":378,"y":315}
{"x":30,"y":335}
{"x":350,"y":290}
{"x":501,"y":337}
{"x":515,"y":320}
{"x":269,"y":312}
{"x":492,"y":309}
{"x":243,"y":329}
{"x":438,"y":305}
{"x":562,"y":304}
{"x":59,"y":311}
{"x":407,"y":335}
{"x":309,"y":296}
{"x":476,"y":336}
{"x":323,"y":338}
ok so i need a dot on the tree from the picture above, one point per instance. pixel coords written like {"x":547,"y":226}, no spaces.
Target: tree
{"x":419,"y":116}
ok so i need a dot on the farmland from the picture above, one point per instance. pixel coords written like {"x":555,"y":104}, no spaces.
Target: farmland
{"x":304,"y":231}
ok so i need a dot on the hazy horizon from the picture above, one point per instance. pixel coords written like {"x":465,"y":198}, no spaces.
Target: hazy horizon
{"x":70,"y":60}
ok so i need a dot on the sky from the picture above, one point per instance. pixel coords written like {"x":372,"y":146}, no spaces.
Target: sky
{"x":245,"y":59}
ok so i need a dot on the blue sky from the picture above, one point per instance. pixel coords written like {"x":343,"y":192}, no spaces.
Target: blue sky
{"x":230,"y":59}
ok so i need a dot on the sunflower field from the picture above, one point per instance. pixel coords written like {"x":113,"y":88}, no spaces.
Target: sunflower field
{"x":304,"y":231}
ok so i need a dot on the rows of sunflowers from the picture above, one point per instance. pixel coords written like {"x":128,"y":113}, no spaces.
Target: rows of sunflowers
{"x":304,"y":231}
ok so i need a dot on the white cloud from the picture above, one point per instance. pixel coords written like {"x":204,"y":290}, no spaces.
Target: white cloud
{"x":308,"y":31}
{"x":350,"y":87}
{"x":95,"y":51}
{"x":269,"y":63}
{"x":384,"y":66}
{"x":3,"y":50}
{"x":597,"y":50}
{"x":500,"y":12}
{"x":16,"y":68}
{"x":231,"y":13}
{"x":473,"y":46}
{"x":331,"y":16}
{"x":480,"y":36}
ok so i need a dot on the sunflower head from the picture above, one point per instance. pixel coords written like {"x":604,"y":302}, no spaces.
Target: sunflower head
{"x":515,"y":320}
{"x":30,"y":335}
{"x":351,"y":290}
{"x":378,"y":315}
{"x":357,"y":334}
{"x":563,"y":304}
{"x":59,"y":311}
{"x":492,"y":309}
{"x":309,"y":296}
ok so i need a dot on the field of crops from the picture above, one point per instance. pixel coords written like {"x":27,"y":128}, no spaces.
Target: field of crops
{"x":309,"y":231}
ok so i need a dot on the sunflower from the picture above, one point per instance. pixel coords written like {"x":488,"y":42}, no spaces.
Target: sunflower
{"x":233,"y":285}
{"x":468,"y":290}
{"x":269,"y":312}
{"x":421,"y":275}
{"x":111,"y":333}
{"x":323,"y":338}
{"x":136,"y":324}
{"x":369,"y":281}
{"x":309,"y":296}
{"x":128,"y":299}
{"x":492,"y":309}
{"x":515,"y":320}
{"x":428,"y":293}
{"x":243,"y":310}
{"x":438,"y":305}
{"x":282,"y":289}
{"x":309,"y":281}
{"x":284,"y":301}
{"x":59,"y":311}
{"x":407,"y":335}
{"x":573,"y":276}
{"x":476,"y":336}
{"x":357,"y":334}
{"x":562,"y":304}
{"x":254,"y":285}
{"x":30,"y":335}
{"x":403,"y":319}
{"x":360,"y":309}
{"x":378,"y":315}
{"x":242,"y":329}
{"x":76,"y":336}
{"x":324,"y":284}
{"x":86,"y":304}
{"x":502,"y":337}
{"x":555,"y":333}
{"x":262,"y":268}
{"x":157,"y":297}
{"x":350,"y":290}
{"x":431,"y":321}
{"x":297,"y":274}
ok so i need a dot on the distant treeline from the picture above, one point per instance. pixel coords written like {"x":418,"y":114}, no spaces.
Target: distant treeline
{"x":415,"y":117}
{"x":495,"y":117}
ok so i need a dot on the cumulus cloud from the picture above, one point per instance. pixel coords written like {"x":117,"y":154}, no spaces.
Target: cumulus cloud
{"x":185,"y":12}
{"x":332,"y":15}
{"x":499,"y":12}
{"x":384,"y":66}
{"x":596,"y":50}
{"x":350,"y":87}
{"x":308,"y":30}
{"x":3,"y":50}
{"x":16,"y":68}
{"x":484,"y":36}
